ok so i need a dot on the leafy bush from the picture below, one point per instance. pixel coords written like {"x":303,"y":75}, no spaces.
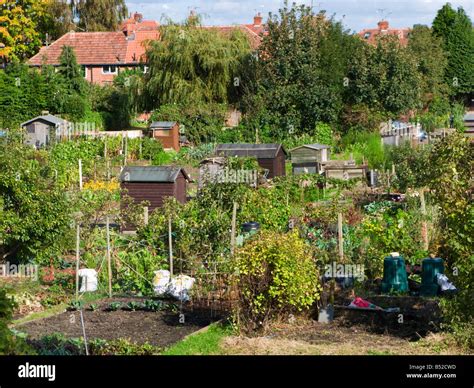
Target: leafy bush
{"x":275,"y":275}
{"x":9,"y":343}
{"x":364,"y":145}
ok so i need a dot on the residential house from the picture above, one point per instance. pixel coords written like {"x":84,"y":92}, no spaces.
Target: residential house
{"x":370,"y":35}
{"x":103,"y":55}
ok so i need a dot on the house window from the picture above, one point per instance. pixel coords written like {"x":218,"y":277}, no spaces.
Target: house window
{"x":145,"y":69}
{"x":109,"y":69}
{"x":84,"y":71}
{"x":367,"y":35}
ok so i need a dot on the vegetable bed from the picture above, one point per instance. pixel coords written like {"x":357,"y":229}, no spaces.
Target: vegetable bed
{"x":159,"y":328}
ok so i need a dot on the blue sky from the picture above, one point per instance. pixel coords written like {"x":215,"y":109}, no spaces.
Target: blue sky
{"x":357,"y":14}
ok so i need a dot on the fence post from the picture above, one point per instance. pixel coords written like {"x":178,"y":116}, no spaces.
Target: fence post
{"x":340,"y":237}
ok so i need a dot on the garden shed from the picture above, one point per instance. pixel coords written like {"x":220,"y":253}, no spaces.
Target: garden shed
{"x":344,"y":169}
{"x":167,"y":132}
{"x":42,"y":130}
{"x":154,"y":184}
{"x":210,"y":169}
{"x":269,"y":156}
{"x":308,"y":158}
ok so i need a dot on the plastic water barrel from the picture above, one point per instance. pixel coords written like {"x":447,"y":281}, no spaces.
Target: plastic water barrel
{"x":430,"y":268}
{"x":394,"y":275}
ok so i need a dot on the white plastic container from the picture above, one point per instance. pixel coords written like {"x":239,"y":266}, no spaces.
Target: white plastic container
{"x":88,"y":280}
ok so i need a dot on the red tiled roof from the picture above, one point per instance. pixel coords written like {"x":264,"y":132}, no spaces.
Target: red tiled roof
{"x":254,"y":33}
{"x":370,"y":35}
{"x":97,"y":48}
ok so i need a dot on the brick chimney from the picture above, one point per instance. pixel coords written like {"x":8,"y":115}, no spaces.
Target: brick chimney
{"x":257,"y":20}
{"x":383,"y":25}
{"x":138,"y":17}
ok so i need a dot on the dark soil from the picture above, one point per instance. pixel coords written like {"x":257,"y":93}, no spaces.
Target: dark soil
{"x":161,"y":328}
{"x":417,"y":317}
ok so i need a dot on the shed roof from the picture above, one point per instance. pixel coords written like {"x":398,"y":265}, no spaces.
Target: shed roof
{"x":163,"y":174}
{"x":162,"y":124}
{"x":264,"y":151}
{"x":315,"y":146}
{"x":54,"y":120}
{"x":213,"y":160}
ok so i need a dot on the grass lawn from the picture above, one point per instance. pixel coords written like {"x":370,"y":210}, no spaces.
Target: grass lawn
{"x":203,"y":343}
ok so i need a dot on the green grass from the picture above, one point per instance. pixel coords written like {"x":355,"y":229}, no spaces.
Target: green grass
{"x":203,"y":343}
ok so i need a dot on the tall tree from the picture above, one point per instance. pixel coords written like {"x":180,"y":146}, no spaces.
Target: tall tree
{"x":455,"y":28}
{"x":385,"y":77}
{"x":191,"y":64}
{"x":301,"y":68}
{"x":18,"y":28}
{"x":71,"y":70}
{"x":58,"y":19}
{"x":432,"y":60}
{"x":99,"y":15}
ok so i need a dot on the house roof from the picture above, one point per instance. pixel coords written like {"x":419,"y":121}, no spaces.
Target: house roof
{"x":48,"y":118}
{"x":162,"y":174}
{"x":98,"y":48}
{"x":162,"y":124}
{"x":254,"y":33}
{"x":264,"y":151}
{"x":370,"y":35}
{"x":312,"y":146}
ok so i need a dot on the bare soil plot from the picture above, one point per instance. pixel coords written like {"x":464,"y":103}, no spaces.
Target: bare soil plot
{"x":161,"y":328}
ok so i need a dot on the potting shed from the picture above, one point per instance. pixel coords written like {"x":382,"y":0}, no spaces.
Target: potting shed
{"x":167,"y":132}
{"x":154,"y":184}
{"x":344,"y":169}
{"x":308,"y":158}
{"x":269,"y":156}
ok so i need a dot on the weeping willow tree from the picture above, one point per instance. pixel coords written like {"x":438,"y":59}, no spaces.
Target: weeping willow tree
{"x":191,"y":64}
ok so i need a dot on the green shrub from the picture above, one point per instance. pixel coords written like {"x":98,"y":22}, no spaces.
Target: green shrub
{"x":276,"y":275}
{"x":10,"y":344}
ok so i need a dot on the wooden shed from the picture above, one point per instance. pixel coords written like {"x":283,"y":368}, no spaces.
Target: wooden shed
{"x":308,"y":158}
{"x":269,"y":156}
{"x":344,"y":169}
{"x":167,"y":132}
{"x":209,"y":169}
{"x":154,"y":184}
{"x":43,"y":130}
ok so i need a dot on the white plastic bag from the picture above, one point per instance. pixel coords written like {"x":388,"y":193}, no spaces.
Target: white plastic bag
{"x":88,"y":280}
{"x":161,"y":282}
{"x":180,"y":286}
{"x":444,"y":282}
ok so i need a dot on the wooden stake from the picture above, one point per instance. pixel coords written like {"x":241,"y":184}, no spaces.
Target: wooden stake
{"x":109,"y":264}
{"x":80,"y":174}
{"x":126,"y":151}
{"x":424,"y":224}
{"x":340,"y":237}
{"x":78,"y":236}
{"x":145,"y":215}
{"x":170,"y":241}
{"x":233,"y":228}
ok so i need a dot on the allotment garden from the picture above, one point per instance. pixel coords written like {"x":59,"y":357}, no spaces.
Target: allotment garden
{"x":262,"y":287}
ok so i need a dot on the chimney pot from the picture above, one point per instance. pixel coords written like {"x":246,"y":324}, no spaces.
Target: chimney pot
{"x":257,"y":20}
{"x":383,"y":25}
{"x":138,"y":17}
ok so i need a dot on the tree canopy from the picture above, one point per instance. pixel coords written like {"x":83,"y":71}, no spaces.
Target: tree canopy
{"x":455,"y":29}
{"x":191,"y":64}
